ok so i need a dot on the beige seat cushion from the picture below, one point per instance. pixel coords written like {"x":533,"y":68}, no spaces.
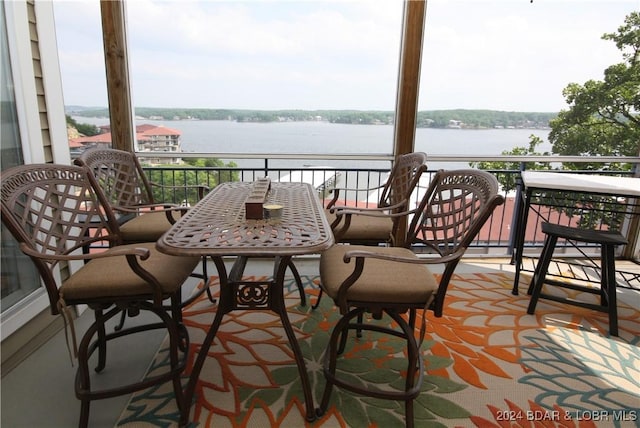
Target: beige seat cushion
{"x":147,"y":227}
{"x":365,"y":228}
{"x":112,"y":276}
{"x":381,"y":281}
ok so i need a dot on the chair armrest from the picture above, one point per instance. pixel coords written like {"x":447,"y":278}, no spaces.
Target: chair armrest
{"x":132,"y":255}
{"x":134,"y":209}
{"x":374,"y":211}
{"x":362,"y":254}
{"x":342,"y":222}
{"x":168,"y":209}
{"x":143,"y":253}
{"x":336,"y":192}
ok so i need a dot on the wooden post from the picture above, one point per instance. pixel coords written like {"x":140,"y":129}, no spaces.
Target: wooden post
{"x":409,"y":76}
{"x":117,"y":69}
{"x":408,"y":85}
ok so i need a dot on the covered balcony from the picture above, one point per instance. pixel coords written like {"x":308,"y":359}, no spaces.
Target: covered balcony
{"x":542,"y":364}
{"x":487,"y":267}
{"x":39,"y":390}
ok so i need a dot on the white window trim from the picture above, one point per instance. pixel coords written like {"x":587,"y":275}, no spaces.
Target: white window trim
{"x":19,"y":40}
{"x":52,"y":78}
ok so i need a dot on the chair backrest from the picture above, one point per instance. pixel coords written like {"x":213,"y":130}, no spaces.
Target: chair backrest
{"x":55,"y":210}
{"x":452,"y":212}
{"x":403,"y":179}
{"x":120,"y":176}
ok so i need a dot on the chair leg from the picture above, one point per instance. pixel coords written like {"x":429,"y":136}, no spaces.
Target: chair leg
{"x":343,"y":338}
{"x":102,"y":340}
{"x":414,"y":365}
{"x":315,"y":305}
{"x":210,"y":296}
{"x":178,"y":339}
{"x":83,"y":380}
{"x":176,"y":316}
{"x":345,"y":333}
{"x":120,"y":325}
{"x":331,"y":356}
{"x":540,"y":273}
{"x":414,"y":372}
{"x":84,"y":413}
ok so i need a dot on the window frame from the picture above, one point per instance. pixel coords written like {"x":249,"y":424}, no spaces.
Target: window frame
{"x":20,"y":28}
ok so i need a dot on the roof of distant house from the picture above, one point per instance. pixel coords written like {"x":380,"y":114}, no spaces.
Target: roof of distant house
{"x":100,"y":139}
{"x":143,"y":132}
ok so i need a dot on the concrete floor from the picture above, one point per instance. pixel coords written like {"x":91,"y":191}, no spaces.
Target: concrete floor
{"x":40,"y":391}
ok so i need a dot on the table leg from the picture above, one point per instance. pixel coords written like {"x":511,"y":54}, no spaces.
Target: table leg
{"x":515,"y":218}
{"x":278,"y":305}
{"x":520,"y":238}
{"x":224,"y":306}
{"x":296,"y":276}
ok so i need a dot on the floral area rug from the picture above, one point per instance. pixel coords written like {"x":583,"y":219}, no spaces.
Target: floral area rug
{"x":488,"y":364}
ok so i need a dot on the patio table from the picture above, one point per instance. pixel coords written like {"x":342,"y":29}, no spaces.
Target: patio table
{"x":217,"y":227}
{"x":616,"y":195}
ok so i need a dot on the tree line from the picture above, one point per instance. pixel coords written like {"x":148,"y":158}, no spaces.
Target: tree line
{"x":459,"y":118}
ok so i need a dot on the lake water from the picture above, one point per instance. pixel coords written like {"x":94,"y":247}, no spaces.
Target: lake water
{"x":324,"y":137}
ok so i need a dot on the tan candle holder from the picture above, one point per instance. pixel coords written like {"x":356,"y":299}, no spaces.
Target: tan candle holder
{"x":254,"y":204}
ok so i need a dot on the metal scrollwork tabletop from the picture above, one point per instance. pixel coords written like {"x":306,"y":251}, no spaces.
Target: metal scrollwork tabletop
{"x":217,"y":224}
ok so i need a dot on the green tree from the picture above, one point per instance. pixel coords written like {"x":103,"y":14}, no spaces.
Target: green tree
{"x":83,"y":128}
{"x":187,"y":179}
{"x":603,"y":119}
{"x":215,"y":177}
{"x":604,"y":116}
{"x":508,"y":181}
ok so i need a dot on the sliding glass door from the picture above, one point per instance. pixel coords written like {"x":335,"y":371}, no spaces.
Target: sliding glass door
{"x":18,"y":276}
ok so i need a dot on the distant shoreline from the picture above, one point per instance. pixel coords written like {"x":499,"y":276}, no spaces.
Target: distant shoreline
{"x":440,"y":119}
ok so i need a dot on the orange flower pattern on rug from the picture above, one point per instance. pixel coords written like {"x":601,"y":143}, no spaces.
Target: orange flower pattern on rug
{"x":488,"y":364}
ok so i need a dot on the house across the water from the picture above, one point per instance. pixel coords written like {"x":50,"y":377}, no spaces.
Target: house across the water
{"x":149,"y":138}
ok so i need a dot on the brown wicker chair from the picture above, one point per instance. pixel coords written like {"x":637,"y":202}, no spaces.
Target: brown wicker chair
{"x":46,"y":208}
{"x":374,"y":226}
{"x":395,"y":280}
{"x":130,"y":194}
{"x":141,"y":218}
{"x":377,"y":226}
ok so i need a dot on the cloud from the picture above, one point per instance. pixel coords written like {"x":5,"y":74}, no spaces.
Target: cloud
{"x":507,"y":55}
{"x":515,"y":55}
{"x":267,"y":54}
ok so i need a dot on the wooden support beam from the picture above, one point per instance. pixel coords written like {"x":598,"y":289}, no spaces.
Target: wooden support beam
{"x":408,"y":86}
{"x":409,"y":76}
{"x":117,"y":69}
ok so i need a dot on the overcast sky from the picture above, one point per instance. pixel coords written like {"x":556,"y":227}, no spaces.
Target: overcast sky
{"x":512,"y":55}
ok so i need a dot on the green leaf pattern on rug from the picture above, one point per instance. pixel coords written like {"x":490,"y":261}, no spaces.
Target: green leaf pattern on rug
{"x":556,"y":357}
{"x":484,"y":359}
{"x":379,"y":365}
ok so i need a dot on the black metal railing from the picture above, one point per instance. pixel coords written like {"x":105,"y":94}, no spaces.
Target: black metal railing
{"x":497,"y":238}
